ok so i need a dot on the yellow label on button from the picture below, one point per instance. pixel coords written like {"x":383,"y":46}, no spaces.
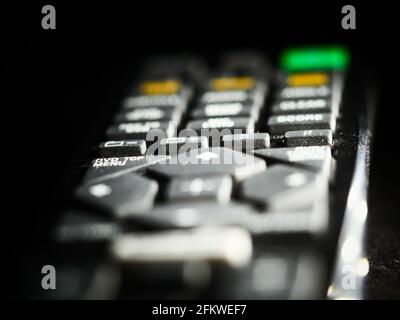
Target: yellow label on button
{"x":232,"y":83}
{"x":152,"y":88}
{"x":307,"y":79}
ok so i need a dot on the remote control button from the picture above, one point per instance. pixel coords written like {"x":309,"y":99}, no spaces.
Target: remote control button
{"x":302,"y":79}
{"x":159,"y":93}
{"x":323,"y":58}
{"x":314,"y":157}
{"x":232,"y":83}
{"x":281,"y":188}
{"x":139,"y":130}
{"x":173,"y":146}
{"x":233,"y":109}
{"x":281,"y":123}
{"x":247,"y":141}
{"x":305,"y":92}
{"x":208,"y":188}
{"x":236,"y":81}
{"x":268,"y":276}
{"x":302,"y":106}
{"x":78,"y":226}
{"x":161,"y":101}
{"x":305,"y":222}
{"x":122,"y":196}
{"x":105,"y":168}
{"x":279,"y":272}
{"x":308,"y":138}
{"x":150,"y":114}
{"x":201,"y":162}
{"x":281,"y":224}
{"x":244,"y":124}
{"x":254,"y":94}
{"x":193,"y":214}
{"x":122,"y":148}
{"x":229,"y":246}
{"x":212,"y":97}
{"x":159,"y":87}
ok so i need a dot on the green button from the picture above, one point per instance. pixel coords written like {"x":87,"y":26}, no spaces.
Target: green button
{"x":336,"y":58}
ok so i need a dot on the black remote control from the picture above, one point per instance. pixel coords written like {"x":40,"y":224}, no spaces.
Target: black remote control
{"x":241,"y":179}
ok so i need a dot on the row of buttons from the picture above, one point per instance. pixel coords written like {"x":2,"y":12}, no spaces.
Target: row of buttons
{"x":154,"y":104}
{"x":306,"y":107}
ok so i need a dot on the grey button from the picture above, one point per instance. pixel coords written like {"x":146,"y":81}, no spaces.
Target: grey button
{"x":122,"y":196}
{"x":313,"y":157}
{"x":229,"y":246}
{"x":308,"y":138}
{"x":229,"y":123}
{"x":122,"y":148}
{"x":230,"y":109}
{"x":210,"y":161}
{"x":188,"y":215}
{"x":246,"y":141}
{"x":139,"y":130}
{"x":281,"y":188}
{"x":175,"y":145}
{"x":291,"y":122}
{"x":305,"y":92}
{"x":208,"y":188}
{"x":302,"y":106}
{"x":167,"y":113}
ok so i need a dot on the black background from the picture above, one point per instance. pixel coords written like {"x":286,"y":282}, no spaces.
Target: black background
{"x":60,"y":84}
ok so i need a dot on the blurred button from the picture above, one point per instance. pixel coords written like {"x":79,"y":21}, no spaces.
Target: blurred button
{"x":166,"y":113}
{"x":246,"y":141}
{"x":154,"y":101}
{"x":227,"y":246}
{"x":226,"y":96}
{"x":175,"y":145}
{"x":304,"y":138}
{"x":122,"y":148}
{"x":232,"y":83}
{"x":280,"y":124}
{"x":230,"y":109}
{"x":139,"y":130}
{"x":77,"y":226}
{"x":200,"y":162}
{"x":313,"y":157}
{"x":308,"y":79}
{"x":208,"y":188}
{"x":246,"y":125}
{"x":315,"y":58}
{"x":302,"y":106}
{"x":270,"y":275}
{"x":193,"y":214}
{"x":305,"y":92}
{"x":281,"y":188}
{"x":160,"y":87}
{"x":121,"y":196}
